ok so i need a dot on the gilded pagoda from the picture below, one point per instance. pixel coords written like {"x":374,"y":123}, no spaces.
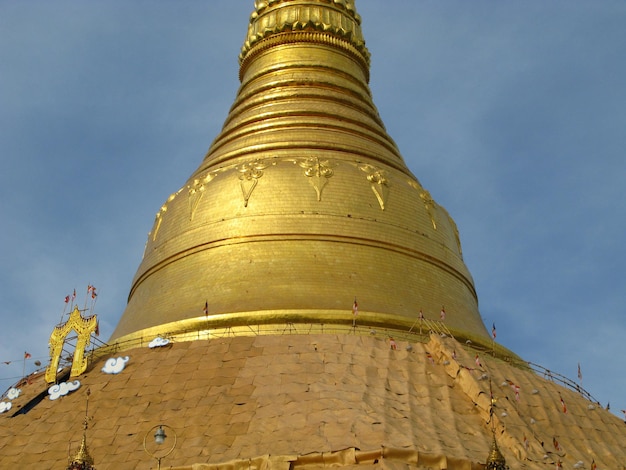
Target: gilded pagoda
{"x":303,"y":302}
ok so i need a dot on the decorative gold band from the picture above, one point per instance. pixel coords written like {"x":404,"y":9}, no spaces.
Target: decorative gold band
{"x":336,"y":17}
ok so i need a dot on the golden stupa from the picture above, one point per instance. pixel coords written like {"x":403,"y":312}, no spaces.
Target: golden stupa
{"x":303,"y":202}
{"x":274,"y":321}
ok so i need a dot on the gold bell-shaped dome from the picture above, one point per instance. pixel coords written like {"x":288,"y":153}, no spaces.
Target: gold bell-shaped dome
{"x":303,"y":203}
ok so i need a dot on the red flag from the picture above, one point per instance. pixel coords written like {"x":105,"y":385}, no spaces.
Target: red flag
{"x":27,"y":355}
{"x":493,"y":331}
{"x":93,"y":292}
{"x":97,"y":328}
{"x":67,"y":299}
{"x":477,"y":360}
{"x":556,"y":444}
{"x":74,"y":295}
{"x":563,"y":404}
{"x":593,"y":464}
{"x":442,"y":314}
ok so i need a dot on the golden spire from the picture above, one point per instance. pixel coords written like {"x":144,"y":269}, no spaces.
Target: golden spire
{"x":496,"y":460}
{"x":302,"y":203}
{"x":82,"y":460}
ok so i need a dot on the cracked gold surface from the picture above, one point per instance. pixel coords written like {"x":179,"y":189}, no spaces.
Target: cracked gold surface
{"x":313,"y":400}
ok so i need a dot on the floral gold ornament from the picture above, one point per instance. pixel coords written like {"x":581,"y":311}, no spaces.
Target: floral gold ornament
{"x":249,"y":174}
{"x":429,"y":205}
{"x":378,"y":182}
{"x":158,"y":218}
{"x":318,"y":171}
{"x":197,"y":188}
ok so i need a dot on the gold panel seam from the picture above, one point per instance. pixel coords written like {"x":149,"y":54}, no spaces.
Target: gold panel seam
{"x":304,"y":237}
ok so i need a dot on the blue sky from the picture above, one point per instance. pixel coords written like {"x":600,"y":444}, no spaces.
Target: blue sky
{"x":512,"y":114}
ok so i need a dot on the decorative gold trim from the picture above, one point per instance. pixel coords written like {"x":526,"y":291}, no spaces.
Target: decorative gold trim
{"x":196,"y":191}
{"x":378,"y":182}
{"x":333,"y":17}
{"x":249,"y":175}
{"x":159,"y":216}
{"x":429,"y":205}
{"x":83,"y":327}
{"x":310,"y":37}
{"x":318,"y":171}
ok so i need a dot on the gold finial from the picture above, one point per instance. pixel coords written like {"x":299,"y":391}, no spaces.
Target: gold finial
{"x":496,"y":460}
{"x":82,"y":460}
{"x":336,"y":18}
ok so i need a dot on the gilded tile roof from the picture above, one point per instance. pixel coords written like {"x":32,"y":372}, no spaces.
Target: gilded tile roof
{"x":309,"y":401}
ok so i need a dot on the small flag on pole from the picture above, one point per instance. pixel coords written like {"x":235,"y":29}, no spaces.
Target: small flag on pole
{"x":477,"y":361}
{"x":206,"y":308}
{"x":92,"y":290}
{"x":27,"y":355}
{"x":580,"y":374}
{"x":564,"y":407}
{"x":355,"y":308}
{"x":442,"y":314}
{"x":67,"y":299}
{"x":74,"y":295}
{"x":493,"y":331}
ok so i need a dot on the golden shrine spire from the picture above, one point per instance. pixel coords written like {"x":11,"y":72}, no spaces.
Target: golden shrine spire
{"x":302,"y":203}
